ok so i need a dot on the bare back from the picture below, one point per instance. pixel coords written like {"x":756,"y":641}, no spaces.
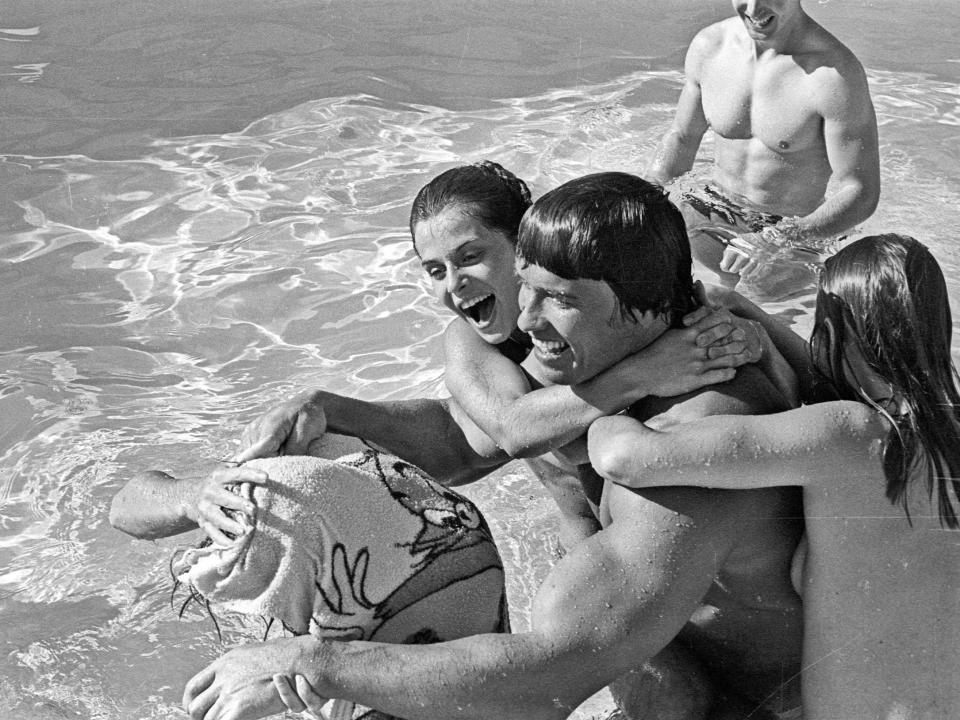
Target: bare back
{"x":883,"y":599}
{"x":747,"y":629}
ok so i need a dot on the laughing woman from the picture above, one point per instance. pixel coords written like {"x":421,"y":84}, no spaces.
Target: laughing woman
{"x":878,"y":464}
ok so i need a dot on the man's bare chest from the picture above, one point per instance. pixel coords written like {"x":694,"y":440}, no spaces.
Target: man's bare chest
{"x":771,"y":105}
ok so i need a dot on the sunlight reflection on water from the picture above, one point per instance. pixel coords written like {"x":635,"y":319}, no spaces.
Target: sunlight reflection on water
{"x":216,"y":274}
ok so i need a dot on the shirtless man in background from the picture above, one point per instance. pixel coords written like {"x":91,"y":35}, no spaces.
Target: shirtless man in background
{"x":791,"y":111}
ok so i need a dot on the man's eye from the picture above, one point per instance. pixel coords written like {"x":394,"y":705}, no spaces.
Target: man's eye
{"x":471,"y":258}
{"x":435,"y":273}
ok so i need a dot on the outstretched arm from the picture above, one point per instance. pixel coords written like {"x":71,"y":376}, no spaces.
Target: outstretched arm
{"x":435,"y":435}
{"x":613,"y":602}
{"x":811,"y":444}
{"x":154,"y":505}
{"x":496,"y":395}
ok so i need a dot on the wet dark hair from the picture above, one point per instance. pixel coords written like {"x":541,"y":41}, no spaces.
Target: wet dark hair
{"x":617,"y":228}
{"x":484,"y":190}
{"x":890,"y":290}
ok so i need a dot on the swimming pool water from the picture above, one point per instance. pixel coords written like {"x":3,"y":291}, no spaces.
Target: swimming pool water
{"x":203,"y":209}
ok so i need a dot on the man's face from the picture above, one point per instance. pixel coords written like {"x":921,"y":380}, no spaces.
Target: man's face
{"x":576,"y":326}
{"x":763,"y":18}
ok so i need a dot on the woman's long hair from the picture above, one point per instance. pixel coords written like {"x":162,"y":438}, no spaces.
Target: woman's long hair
{"x":890,"y":292}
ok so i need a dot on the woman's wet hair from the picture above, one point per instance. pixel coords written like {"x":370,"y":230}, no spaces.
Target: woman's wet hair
{"x":619,"y":229}
{"x":484,"y":190}
{"x":889,"y":292}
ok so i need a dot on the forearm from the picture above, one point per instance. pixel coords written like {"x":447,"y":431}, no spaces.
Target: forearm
{"x":549,"y":418}
{"x":154,"y":505}
{"x":485,"y":676}
{"x":674,"y":157}
{"x":851,"y":204}
{"x":421,"y":431}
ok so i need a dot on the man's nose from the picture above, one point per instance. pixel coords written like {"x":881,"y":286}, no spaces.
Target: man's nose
{"x":529,"y":311}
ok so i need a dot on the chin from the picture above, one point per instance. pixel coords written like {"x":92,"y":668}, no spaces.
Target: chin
{"x":555,"y":375}
{"x":493,"y":333}
{"x":491,"y":336}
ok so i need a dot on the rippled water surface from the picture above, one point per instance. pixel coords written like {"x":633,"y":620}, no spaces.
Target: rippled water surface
{"x":203,"y":210}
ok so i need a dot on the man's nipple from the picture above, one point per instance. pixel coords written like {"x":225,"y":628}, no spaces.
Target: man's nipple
{"x":783,"y":145}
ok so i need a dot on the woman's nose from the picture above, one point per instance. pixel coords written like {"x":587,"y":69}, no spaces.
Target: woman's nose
{"x":454,"y":279}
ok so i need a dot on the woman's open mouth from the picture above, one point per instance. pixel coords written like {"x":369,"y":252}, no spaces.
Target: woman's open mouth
{"x":479,"y":309}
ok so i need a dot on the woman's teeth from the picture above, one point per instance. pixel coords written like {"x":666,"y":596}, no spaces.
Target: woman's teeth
{"x":479,"y":309}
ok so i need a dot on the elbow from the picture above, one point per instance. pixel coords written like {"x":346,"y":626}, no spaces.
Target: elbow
{"x":518,"y":450}
{"x":864,"y":192}
{"x":122,"y":519}
{"x":869,"y":200}
{"x":116,"y":516}
{"x":606,"y":455}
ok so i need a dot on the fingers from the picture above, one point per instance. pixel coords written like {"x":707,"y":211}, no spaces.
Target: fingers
{"x":309,"y":696}
{"x":719,"y":326}
{"x":692,"y":318}
{"x":258,"y":443}
{"x":700,"y":293}
{"x":288,"y":695}
{"x":736,"y":352}
{"x":264,"y":448}
{"x":720,"y":375}
{"x":300,"y":436}
{"x":310,"y":425}
{"x":734,"y":260}
{"x":217,"y":499}
{"x":265,"y":436}
{"x":750,"y":270}
{"x":218,"y":534}
{"x":722,"y":333}
{"x":198,"y":695}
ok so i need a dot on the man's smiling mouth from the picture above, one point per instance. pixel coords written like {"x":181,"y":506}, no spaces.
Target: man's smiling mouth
{"x":760,"y":22}
{"x":549,"y":348}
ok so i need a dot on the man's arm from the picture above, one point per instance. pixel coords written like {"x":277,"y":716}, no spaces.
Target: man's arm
{"x":850,"y":136}
{"x":678,"y":149}
{"x":496,"y":395}
{"x":433,"y":434}
{"x":153,"y":504}
{"x":610,"y":604}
